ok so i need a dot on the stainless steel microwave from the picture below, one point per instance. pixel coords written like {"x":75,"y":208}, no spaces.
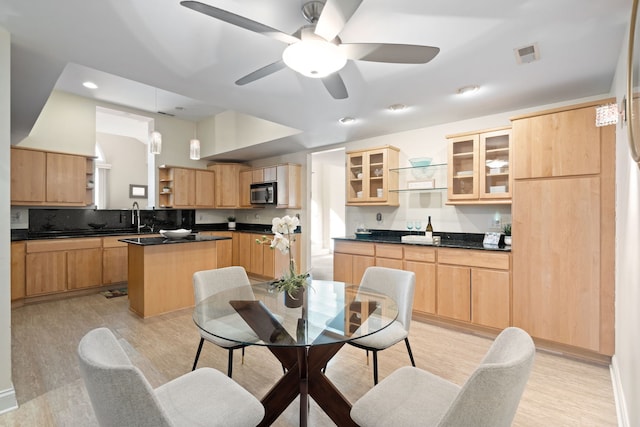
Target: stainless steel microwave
{"x":264,"y":193}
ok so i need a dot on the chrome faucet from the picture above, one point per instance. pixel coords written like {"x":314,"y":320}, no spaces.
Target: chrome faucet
{"x":135,"y":215}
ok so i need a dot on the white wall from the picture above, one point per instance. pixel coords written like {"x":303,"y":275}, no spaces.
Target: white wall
{"x":626,"y":362}
{"x":7,"y":393}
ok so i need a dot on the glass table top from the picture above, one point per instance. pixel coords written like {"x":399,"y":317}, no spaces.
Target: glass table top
{"x":331,"y":312}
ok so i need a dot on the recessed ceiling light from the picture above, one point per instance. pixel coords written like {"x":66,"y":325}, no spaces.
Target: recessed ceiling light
{"x":468,"y":90}
{"x":396,"y":107}
{"x":90,"y":85}
{"x":346,"y":120}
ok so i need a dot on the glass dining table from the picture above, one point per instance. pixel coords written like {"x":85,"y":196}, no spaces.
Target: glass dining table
{"x":303,"y":339}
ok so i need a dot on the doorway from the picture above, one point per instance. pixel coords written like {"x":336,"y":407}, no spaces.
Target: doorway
{"x":327,"y":209}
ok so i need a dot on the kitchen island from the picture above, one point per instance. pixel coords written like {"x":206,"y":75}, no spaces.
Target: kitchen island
{"x":161,"y":270}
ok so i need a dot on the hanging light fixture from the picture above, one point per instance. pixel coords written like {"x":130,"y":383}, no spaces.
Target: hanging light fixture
{"x":155,"y":139}
{"x":194,"y":149}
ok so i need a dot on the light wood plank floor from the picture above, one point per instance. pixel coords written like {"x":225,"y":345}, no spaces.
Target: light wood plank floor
{"x":560,"y":392}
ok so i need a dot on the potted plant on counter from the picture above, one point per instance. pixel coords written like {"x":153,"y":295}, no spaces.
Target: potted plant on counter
{"x":507,"y":234}
{"x":291,"y":283}
{"x":231,"y":222}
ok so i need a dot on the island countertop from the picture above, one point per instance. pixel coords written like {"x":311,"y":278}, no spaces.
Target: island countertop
{"x":153,"y":241}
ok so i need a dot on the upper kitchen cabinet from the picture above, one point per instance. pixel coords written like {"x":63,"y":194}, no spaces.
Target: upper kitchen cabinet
{"x":185,"y":188}
{"x":369,"y":178}
{"x":288,"y":186}
{"x":50,"y":179}
{"x":480,"y":167}
{"x":227,"y":188}
{"x":557,"y":143}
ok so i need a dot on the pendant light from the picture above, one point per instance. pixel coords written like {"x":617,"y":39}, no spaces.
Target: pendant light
{"x":155,"y":139}
{"x":194,"y":144}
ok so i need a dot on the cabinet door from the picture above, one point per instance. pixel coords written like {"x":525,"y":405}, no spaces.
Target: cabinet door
{"x":454,"y":292}
{"x":288,"y":189}
{"x":369,"y":177}
{"x":245,"y":188}
{"x":342,"y":267}
{"x":424,"y":299}
{"x":66,"y":179}
{"x":557,"y":260}
{"x":227,"y":192}
{"x":564,"y":143}
{"x":494,"y":166}
{"x":256,"y":265}
{"x":205,"y":185}
{"x":84,"y":268}
{"x":17,"y":270}
{"x":28,"y":176}
{"x":46,"y":272}
{"x":490,"y":302}
{"x":463,"y":168}
{"x":114,"y":265}
{"x":184,"y":187}
{"x":245,"y":243}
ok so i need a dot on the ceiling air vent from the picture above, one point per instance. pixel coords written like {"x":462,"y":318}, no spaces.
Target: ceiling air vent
{"x":527,"y":54}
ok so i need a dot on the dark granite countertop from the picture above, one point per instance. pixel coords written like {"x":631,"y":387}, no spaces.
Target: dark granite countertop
{"x":448,"y":240}
{"x":153,"y":241}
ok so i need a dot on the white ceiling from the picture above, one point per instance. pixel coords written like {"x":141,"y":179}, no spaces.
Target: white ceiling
{"x":130,"y":48}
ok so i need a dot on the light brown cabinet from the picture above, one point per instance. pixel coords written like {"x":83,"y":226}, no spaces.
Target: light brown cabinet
{"x":480,"y":167}
{"x":351,"y":259}
{"x":50,"y":179}
{"x":61,"y":265}
{"x":224,"y":248}
{"x":227,"y":185}
{"x":114,"y":260}
{"x":464,"y":285}
{"x":185,"y":188}
{"x":246,"y":179}
{"x":421,"y":260}
{"x":563,"y":228}
{"x":474,"y":286}
{"x":369,"y":178}
{"x":18,"y":270}
{"x":288,"y":189}
{"x":262,"y":261}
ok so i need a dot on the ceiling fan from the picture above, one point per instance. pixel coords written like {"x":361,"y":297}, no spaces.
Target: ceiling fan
{"x":315,"y":50}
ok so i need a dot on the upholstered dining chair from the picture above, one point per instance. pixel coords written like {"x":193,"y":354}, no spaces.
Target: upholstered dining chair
{"x":399,"y":285}
{"x":209,"y":282}
{"x":121,"y":395}
{"x":489,"y":397}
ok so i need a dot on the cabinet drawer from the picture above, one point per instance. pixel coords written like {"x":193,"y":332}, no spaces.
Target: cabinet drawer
{"x":355,"y":248}
{"x":471,"y":258}
{"x":419,"y":253}
{"x":63,"y":244}
{"x":389,"y":251}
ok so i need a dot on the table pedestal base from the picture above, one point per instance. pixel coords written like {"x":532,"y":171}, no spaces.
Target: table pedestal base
{"x":304,"y":377}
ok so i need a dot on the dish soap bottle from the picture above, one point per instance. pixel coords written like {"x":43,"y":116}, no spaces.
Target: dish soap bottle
{"x":429,"y":230}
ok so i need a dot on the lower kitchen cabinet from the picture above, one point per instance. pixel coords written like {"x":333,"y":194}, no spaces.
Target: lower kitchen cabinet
{"x":114,"y":260}
{"x":351,"y":259}
{"x":421,"y":260}
{"x":262,"y":261}
{"x":454,"y":292}
{"x":17,"y":270}
{"x":61,"y":265}
{"x":490,"y":298}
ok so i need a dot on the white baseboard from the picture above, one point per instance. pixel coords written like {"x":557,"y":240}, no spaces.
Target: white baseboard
{"x":618,"y":394}
{"x":8,"y":400}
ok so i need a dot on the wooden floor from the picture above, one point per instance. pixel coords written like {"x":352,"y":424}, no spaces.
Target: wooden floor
{"x":50,"y":392}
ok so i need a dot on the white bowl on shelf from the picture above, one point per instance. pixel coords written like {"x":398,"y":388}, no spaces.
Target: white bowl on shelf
{"x":175,"y":234}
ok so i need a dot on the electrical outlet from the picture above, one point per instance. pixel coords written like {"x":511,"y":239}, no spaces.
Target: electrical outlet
{"x":495,"y":223}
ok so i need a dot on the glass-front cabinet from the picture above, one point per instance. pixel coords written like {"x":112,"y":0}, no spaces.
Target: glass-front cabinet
{"x":369,"y":178}
{"x":480,"y":167}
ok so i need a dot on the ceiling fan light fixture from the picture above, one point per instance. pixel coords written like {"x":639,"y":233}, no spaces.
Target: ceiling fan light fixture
{"x":314,"y":58}
{"x":468,"y":90}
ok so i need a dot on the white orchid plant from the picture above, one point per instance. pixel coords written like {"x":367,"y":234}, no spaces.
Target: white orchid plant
{"x":283,"y":237}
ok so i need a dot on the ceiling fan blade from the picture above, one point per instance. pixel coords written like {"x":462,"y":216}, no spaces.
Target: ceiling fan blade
{"x":262,"y":72}
{"x":392,"y":53}
{"x":334,"y":16}
{"x":335,"y":86}
{"x":239,"y":21}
